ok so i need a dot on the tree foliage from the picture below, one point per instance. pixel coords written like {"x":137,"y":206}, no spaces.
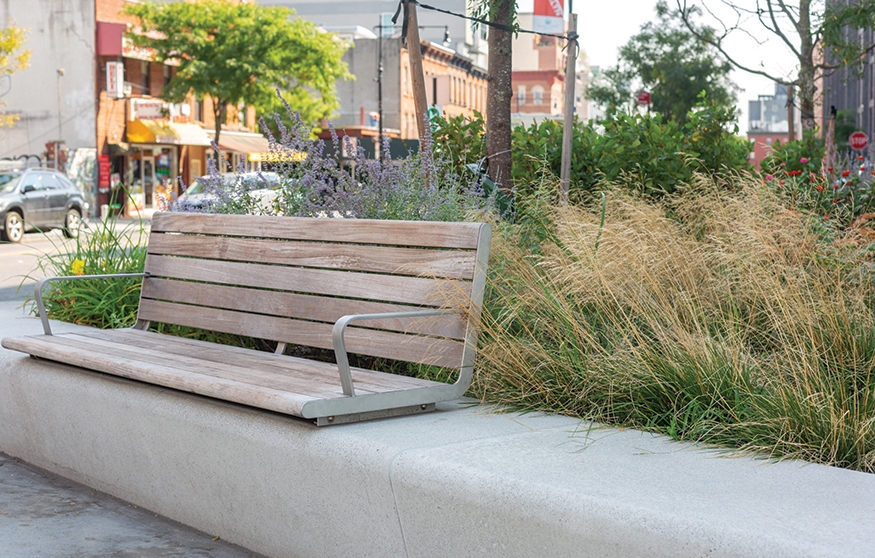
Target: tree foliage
{"x":668,"y":61}
{"x":13,"y":58}
{"x":803,"y":27}
{"x":242,"y":53}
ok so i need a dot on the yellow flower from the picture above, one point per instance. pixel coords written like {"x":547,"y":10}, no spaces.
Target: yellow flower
{"x":77,"y":267}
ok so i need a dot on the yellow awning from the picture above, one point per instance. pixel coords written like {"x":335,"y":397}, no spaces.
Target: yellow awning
{"x":243,"y":143}
{"x":158,"y":131}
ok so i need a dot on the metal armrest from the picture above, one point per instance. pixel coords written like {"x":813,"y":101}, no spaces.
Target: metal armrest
{"x":340,"y":345}
{"x":38,"y":291}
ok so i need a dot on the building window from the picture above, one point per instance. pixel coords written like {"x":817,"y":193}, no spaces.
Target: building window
{"x":166,"y":75}
{"x":144,"y":78}
{"x":521,"y":95}
{"x":198,"y":110}
{"x":537,"y":95}
{"x":242,"y":110}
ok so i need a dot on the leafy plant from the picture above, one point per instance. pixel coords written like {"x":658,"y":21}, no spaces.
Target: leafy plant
{"x":424,"y":186}
{"x":104,"y":303}
{"x":841,"y":195}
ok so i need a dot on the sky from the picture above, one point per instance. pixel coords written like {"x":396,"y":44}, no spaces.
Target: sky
{"x":604,"y":26}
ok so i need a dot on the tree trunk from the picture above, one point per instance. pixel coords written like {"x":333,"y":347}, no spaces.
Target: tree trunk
{"x":218,"y":118}
{"x":499,"y":93}
{"x":806,"y":79}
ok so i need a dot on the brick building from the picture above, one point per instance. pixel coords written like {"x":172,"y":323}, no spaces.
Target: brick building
{"x":538,"y":77}
{"x":143,"y":142}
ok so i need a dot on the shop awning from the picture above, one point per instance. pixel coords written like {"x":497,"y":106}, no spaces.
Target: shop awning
{"x":243,"y":143}
{"x":158,"y":131}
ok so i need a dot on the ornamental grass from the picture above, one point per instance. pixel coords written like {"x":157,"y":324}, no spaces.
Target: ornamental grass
{"x":718,"y":317}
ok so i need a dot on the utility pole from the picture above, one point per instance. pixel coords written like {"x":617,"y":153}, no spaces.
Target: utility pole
{"x":60,"y":75}
{"x":417,"y":79}
{"x":380,"y":88}
{"x":568,"y":121}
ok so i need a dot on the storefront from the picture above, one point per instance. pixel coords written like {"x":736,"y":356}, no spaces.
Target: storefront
{"x":159,"y":154}
{"x":236,"y":148}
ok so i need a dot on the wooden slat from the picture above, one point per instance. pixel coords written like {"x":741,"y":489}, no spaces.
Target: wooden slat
{"x":363,"y":231}
{"x":369,"y":381}
{"x":450,"y":264}
{"x":282,"y":380}
{"x":184,"y":380}
{"x":369,"y":286}
{"x":306,"y":307}
{"x":383,"y":344}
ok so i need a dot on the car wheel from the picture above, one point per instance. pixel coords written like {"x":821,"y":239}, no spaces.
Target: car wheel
{"x":14,"y":230}
{"x":72,"y":223}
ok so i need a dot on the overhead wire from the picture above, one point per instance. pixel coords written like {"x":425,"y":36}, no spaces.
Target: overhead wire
{"x":569,"y":37}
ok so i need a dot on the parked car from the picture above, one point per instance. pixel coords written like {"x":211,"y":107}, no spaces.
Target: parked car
{"x":38,"y":199}
{"x":203,"y":195}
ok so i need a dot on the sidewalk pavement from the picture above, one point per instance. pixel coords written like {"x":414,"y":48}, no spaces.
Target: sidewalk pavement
{"x":47,"y":516}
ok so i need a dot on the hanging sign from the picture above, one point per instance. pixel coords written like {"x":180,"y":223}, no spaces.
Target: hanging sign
{"x":115,"y":80}
{"x":548,"y":17}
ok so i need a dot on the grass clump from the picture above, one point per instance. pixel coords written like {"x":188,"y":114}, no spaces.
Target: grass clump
{"x":107,"y":248}
{"x":718,"y":316}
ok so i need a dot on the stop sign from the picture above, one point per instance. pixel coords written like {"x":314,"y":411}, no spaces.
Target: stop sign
{"x":643,"y":98}
{"x":858,"y":141}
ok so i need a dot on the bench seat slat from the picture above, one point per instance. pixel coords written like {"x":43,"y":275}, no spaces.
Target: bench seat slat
{"x":281,"y":387}
{"x":371,"y":381}
{"x":369,"y":286}
{"x":383,"y":344}
{"x":306,"y":307}
{"x":402,"y":261}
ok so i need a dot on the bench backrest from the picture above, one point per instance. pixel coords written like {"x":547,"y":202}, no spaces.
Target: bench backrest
{"x":288,"y":279}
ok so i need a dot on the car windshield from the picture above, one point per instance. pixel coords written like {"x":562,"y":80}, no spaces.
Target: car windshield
{"x":8,"y":181}
{"x":250,"y":180}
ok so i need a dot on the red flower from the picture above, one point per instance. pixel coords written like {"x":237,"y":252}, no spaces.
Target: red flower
{"x":846,"y":173}
{"x":820,"y":188}
{"x":829,"y":169}
{"x":782,"y":183}
{"x":859,"y":157}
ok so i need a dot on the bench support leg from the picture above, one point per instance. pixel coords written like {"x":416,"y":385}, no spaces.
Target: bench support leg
{"x":386,"y":413}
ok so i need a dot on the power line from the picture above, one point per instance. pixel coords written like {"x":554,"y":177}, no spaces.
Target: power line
{"x":569,"y":37}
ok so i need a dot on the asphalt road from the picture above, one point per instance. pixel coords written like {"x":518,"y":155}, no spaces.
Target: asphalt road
{"x":18,"y":262}
{"x":19,"y":269}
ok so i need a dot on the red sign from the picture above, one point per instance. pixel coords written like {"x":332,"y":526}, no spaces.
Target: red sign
{"x":858,"y":141}
{"x":547,"y":17}
{"x":103,"y":171}
{"x":643,"y":98}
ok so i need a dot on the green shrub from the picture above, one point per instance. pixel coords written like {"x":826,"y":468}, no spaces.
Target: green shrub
{"x":641,"y":151}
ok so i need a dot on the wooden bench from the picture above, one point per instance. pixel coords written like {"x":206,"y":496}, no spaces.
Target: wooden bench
{"x":400,"y":290}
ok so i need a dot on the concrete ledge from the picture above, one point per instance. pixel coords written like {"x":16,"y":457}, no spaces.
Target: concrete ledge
{"x":457,"y":482}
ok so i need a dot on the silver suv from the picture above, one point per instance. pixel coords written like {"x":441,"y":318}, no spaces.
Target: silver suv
{"x":38,"y":199}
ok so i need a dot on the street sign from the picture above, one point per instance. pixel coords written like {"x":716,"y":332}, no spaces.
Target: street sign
{"x":858,"y":140}
{"x":643,"y":97}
